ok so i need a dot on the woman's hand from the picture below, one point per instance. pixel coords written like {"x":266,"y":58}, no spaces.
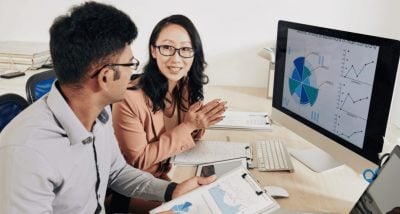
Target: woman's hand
{"x":201,"y":116}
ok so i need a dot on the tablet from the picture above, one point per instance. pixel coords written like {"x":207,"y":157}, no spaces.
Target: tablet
{"x":383,"y":194}
{"x":220,"y":167}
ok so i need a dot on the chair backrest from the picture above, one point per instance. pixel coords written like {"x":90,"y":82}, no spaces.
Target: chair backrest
{"x":39,"y":84}
{"x":10,"y":106}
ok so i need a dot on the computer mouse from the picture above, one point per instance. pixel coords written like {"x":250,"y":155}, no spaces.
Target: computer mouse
{"x":276,"y":192}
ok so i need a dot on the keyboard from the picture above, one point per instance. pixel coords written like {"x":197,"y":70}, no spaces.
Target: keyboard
{"x":273,"y":156}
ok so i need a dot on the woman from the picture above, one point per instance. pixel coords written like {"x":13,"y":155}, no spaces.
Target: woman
{"x":162,"y":113}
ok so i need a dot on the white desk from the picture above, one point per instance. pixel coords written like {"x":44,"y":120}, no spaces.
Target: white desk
{"x":335,"y":190}
{"x":16,"y":85}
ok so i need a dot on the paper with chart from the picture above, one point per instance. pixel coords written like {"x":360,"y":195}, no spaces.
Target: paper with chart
{"x":212,"y":151}
{"x":234,"y":192}
{"x":244,"y":120}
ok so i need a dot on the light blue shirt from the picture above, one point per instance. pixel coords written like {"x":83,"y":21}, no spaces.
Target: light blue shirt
{"x":47,"y":162}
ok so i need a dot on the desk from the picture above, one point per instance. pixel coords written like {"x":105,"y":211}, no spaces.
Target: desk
{"x":335,"y":190}
{"x":16,"y":85}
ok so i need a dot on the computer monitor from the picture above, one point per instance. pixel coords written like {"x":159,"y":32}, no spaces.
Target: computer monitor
{"x":334,"y":89}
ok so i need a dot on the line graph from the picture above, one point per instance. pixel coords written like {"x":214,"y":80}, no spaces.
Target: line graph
{"x":357,"y":73}
{"x":354,"y":101}
{"x":351,"y":134}
{"x":357,"y":69}
{"x":342,"y":129}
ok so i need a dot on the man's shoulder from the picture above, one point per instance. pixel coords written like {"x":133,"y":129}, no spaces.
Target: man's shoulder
{"x":31,"y":126}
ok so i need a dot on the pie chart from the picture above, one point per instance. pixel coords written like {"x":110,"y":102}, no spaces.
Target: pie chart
{"x":302,"y":82}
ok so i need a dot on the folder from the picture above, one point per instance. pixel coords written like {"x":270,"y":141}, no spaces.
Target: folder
{"x":244,"y":120}
{"x":213,"y":151}
{"x":234,"y":192}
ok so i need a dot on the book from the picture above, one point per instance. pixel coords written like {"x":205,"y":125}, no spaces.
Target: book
{"x":213,"y":151}
{"x":18,"y":55}
{"x":25,"y":61}
{"x":234,"y":192}
{"x":244,"y":120}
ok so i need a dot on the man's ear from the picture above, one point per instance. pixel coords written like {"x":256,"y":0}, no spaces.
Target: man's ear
{"x":105,"y":77}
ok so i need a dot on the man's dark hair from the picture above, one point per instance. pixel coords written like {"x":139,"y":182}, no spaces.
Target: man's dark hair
{"x":155,"y":85}
{"x":86,"y":37}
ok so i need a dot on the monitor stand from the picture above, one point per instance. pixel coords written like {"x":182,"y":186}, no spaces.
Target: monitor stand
{"x":315,"y":159}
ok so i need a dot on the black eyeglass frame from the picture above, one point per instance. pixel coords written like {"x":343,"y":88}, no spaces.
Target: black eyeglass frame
{"x":175,"y":49}
{"x":135,"y":64}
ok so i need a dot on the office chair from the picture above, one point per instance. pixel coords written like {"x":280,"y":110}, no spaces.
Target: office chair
{"x":10,"y":106}
{"x":39,"y":84}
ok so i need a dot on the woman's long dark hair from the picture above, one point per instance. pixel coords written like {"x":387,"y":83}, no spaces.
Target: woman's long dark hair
{"x":155,"y":85}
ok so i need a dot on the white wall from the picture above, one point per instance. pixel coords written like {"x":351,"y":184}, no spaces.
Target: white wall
{"x":232,"y":31}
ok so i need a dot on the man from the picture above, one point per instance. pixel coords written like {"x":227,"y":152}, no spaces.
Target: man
{"x":60,"y":154}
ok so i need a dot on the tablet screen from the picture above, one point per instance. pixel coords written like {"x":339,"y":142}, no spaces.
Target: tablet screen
{"x":383,"y":194}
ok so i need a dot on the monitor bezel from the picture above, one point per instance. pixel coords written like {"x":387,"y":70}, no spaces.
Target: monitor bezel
{"x":378,"y":114}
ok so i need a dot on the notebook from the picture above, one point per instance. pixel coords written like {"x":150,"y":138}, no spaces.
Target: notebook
{"x":383,"y":194}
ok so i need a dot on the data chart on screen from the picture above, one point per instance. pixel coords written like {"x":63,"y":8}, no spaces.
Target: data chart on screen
{"x":329,"y":81}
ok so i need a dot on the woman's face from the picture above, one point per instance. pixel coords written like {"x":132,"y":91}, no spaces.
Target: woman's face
{"x":173,"y":67}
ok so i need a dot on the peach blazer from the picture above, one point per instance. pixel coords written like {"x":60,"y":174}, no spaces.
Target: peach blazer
{"x":142,"y":136}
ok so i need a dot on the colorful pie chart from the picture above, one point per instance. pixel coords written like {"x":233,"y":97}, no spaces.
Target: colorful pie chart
{"x":300,"y":83}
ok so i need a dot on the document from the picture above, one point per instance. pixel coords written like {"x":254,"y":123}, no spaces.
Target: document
{"x":212,"y":151}
{"x":234,"y":192}
{"x":220,"y":167}
{"x":244,"y":120}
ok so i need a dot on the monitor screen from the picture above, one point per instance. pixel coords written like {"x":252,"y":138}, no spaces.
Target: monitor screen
{"x":337,"y":84}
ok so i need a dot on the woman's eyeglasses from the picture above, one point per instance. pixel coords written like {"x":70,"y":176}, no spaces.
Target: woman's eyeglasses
{"x":168,"y":50}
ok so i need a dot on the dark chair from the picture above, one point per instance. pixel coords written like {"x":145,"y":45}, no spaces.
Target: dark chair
{"x":10,"y":106}
{"x":39,"y":84}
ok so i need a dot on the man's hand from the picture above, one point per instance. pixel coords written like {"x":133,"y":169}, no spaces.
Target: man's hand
{"x":192,"y":184}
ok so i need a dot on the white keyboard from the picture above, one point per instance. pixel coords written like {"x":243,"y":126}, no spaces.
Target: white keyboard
{"x":273,"y":156}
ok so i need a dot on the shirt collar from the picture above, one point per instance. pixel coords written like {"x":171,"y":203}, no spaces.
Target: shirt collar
{"x":67,"y":119}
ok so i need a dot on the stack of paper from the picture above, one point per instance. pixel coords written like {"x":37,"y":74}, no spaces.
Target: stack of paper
{"x":16,"y":54}
{"x":244,"y":120}
{"x":212,"y":151}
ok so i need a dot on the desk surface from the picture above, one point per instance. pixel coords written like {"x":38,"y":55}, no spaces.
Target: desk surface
{"x":17,"y":85}
{"x":335,"y":190}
